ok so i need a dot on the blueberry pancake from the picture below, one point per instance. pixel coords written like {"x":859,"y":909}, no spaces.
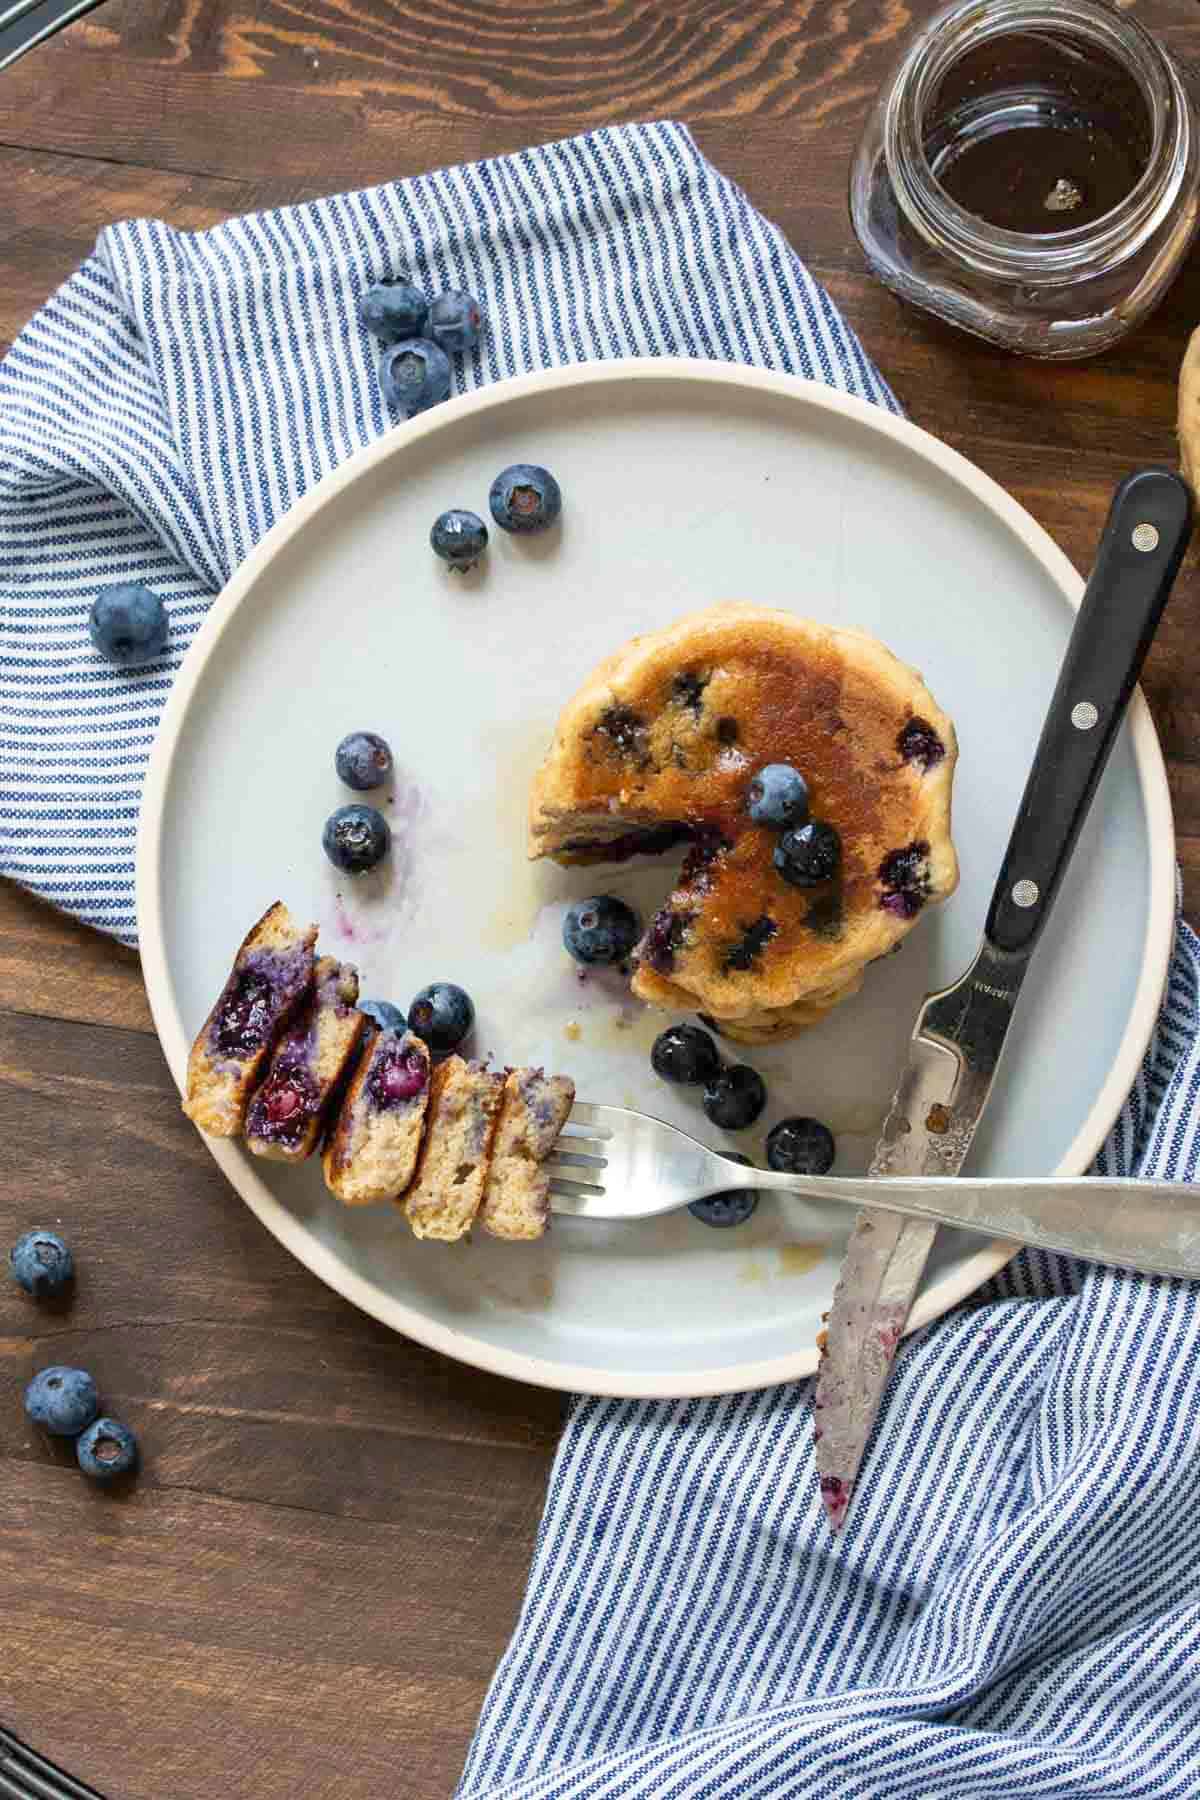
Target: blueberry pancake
{"x":271,"y":980}
{"x":372,"y":1150}
{"x":516,"y":1195}
{"x":285,"y":1118}
{"x":464,"y":1104}
{"x":765,"y":930}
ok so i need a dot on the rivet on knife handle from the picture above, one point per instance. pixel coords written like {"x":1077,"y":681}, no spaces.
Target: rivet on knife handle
{"x":960,"y":1032}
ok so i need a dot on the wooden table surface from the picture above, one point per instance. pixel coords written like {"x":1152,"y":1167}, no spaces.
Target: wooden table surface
{"x":306,"y":1592}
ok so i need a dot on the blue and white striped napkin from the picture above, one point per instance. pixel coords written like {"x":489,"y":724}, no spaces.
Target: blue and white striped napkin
{"x":1014,"y":1607}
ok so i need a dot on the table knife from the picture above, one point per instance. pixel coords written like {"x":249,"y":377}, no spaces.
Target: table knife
{"x":24,"y":23}
{"x":960,"y":1031}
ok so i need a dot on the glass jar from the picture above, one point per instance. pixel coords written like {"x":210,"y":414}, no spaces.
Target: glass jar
{"x":1030,"y":173}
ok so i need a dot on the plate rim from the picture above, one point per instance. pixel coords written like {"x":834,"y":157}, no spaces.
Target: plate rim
{"x":290,"y":1231}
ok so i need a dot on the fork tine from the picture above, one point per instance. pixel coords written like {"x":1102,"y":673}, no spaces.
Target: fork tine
{"x":565,"y":1163}
{"x":592,"y":1116}
{"x":574,"y":1190}
{"x":582,"y":1143}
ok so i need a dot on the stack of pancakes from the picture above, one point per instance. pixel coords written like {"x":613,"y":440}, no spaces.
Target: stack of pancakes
{"x":658,"y":748}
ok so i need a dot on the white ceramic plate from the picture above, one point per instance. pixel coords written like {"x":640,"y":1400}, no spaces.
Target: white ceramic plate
{"x":684,"y":483}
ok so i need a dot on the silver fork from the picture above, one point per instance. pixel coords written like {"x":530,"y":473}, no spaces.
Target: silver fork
{"x":610,"y":1163}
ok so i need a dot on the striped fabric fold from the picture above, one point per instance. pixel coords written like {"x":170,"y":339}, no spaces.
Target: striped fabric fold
{"x":1014,"y":1607}
{"x":183,"y":390}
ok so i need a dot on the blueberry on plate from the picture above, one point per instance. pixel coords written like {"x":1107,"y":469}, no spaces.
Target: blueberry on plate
{"x":459,"y":538}
{"x":809,"y":855}
{"x":393,"y":311}
{"x":356,"y":838}
{"x":601,"y":929}
{"x":778,"y":795}
{"x":62,"y":1401}
{"x":106,"y":1449}
{"x":384,"y":1014}
{"x":363,"y":760}
{"x":41,"y":1263}
{"x":441,"y":1016}
{"x":800,"y":1147}
{"x":128,"y":624}
{"x":415,"y":376}
{"x":685,"y":1054}
{"x":525,"y":498}
{"x":724,"y":1210}
{"x":735,"y":1097}
{"x":455,"y":320}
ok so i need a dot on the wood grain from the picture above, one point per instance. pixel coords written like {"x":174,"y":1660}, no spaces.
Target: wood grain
{"x":307,"y":1590}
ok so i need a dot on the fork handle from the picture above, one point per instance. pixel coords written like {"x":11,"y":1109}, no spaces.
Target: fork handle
{"x":1151,"y":1226}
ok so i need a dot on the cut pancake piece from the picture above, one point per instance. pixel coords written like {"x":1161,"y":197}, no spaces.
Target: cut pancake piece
{"x":516,"y":1195}
{"x":464,"y":1104}
{"x":271,"y":980}
{"x":308,"y":1070}
{"x":373,"y":1148}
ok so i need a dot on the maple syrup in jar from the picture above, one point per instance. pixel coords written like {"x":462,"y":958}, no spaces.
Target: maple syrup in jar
{"x":1031,"y":173}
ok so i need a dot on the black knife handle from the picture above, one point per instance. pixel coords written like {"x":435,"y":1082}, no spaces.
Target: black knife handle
{"x":1149,"y":524}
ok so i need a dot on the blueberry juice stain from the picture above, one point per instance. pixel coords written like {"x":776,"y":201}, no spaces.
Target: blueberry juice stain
{"x":1031,"y":135}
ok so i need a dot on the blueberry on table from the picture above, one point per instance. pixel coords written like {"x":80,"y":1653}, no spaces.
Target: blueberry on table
{"x":393,"y":311}
{"x":735,"y":1097}
{"x":356,"y":838}
{"x":106,"y":1449}
{"x":41,"y":1263}
{"x":600,"y":930}
{"x":455,"y":320}
{"x":685,"y":1054}
{"x":384,"y":1014}
{"x":778,"y":795}
{"x":800,"y":1147}
{"x":62,"y":1401}
{"x":415,"y":376}
{"x":809,"y":855}
{"x":525,"y":498}
{"x":363,"y":760}
{"x":441,"y":1016}
{"x":459,"y":538}
{"x":128,"y":624}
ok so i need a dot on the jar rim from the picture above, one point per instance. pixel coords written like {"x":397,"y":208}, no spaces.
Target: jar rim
{"x":1036,"y":256}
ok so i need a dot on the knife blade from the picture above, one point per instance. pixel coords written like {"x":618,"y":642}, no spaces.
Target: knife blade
{"x":960,"y":1031}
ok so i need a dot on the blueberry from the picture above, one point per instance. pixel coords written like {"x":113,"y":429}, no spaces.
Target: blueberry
{"x":918,"y":742}
{"x":778,"y":796}
{"x":459,"y":538}
{"x":441,"y":1016}
{"x":42,"y":1264}
{"x":809,"y":855}
{"x":128,"y":624}
{"x":724,"y":1210}
{"x":415,"y":376}
{"x":525,"y":498}
{"x":455,"y":320}
{"x":385,"y":1015}
{"x":356,"y":838}
{"x":62,"y":1401}
{"x":735,"y":1097}
{"x":393,"y":311}
{"x":363,"y":760}
{"x":800,"y":1147}
{"x":106,"y":1449}
{"x":685,"y":1054}
{"x":601,"y":929}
